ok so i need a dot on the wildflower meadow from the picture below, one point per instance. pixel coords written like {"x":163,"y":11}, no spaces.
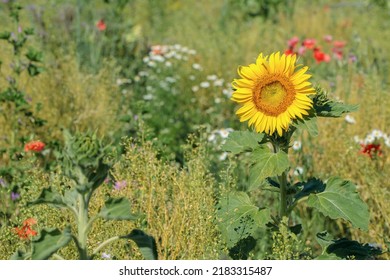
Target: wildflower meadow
{"x":194,"y":130}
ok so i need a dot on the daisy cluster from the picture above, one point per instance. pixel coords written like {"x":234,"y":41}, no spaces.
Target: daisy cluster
{"x":218,"y":137}
{"x":335,"y":49}
{"x":216,"y":83}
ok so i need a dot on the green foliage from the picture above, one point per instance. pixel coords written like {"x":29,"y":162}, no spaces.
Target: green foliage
{"x":240,"y":218}
{"x":345,"y":249}
{"x":339,"y":199}
{"x":242,"y":141}
{"x":146,"y":243}
{"x":266,"y":164}
{"x":117,"y":209}
{"x":49,"y":241}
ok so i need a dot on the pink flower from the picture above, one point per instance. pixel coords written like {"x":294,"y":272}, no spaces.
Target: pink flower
{"x":309,"y":43}
{"x":328,"y":38}
{"x":301,"y":50}
{"x":292,"y":42}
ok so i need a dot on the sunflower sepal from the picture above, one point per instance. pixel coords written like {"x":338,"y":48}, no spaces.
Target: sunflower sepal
{"x":325,"y":107}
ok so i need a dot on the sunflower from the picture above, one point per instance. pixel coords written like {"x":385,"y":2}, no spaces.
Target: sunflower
{"x":272,"y":92}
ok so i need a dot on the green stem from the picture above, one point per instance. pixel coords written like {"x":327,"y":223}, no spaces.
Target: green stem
{"x":283,"y":195}
{"x":58,"y":257}
{"x":82,"y":226}
{"x":105,"y":243}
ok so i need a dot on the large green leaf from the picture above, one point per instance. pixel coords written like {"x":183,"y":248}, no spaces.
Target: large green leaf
{"x":145,"y":242}
{"x":341,"y":200}
{"x":313,"y":185}
{"x":117,"y":209}
{"x":242,"y":141}
{"x":239,"y":218}
{"x":344,"y":248}
{"x":309,"y":124}
{"x":49,"y":241}
{"x":48,"y":196}
{"x":266,"y":164}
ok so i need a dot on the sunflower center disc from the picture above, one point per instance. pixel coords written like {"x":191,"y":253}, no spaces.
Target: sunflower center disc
{"x":273,"y":95}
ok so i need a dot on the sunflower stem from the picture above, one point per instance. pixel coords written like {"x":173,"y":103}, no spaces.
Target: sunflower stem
{"x":283,"y":195}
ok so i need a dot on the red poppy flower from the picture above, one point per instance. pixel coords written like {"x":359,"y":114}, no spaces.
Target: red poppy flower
{"x":289,"y":52}
{"x":371,"y":150}
{"x":320,"y":56}
{"x":338,"y":54}
{"x":101,"y":25}
{"x":309,"y":43}
{"x":35,"y":146}
{"x":25,"y":232}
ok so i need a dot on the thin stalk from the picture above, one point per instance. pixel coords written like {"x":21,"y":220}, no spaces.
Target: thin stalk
{"x":105,"y":243}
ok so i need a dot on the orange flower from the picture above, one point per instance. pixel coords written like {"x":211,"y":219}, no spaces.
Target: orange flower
{"x":101,"y":25}
{"x":35,"y":146}
{"x":26,"y":231}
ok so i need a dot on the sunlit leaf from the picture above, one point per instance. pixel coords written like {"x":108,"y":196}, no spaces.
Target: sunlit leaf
{"x":341,"y":200}
{"x":266,"y":164}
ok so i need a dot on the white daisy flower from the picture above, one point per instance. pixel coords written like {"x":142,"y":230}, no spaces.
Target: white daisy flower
{"x":297,"y":145}
{"x":204,"y":84}
{"x":298,"y":171}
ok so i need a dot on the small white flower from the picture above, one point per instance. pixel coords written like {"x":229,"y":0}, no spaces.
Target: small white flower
{"x":204,"y":84}
{"x":387,"y":142}
{"x":349,"y":119}
{"x":298,"y":171}
{"x":157,"y":58}
{"x":177,"y":47}
{"x":228,"y":93}
{"x":184,"y":49}
{"x":148,"y":96}
{"x":376,"y":133}
{"x":178,"y":56}
{"x":217,"y":100}
{"x":170,"y":80}
{"x":224,"y":132}
{"x":106,"y":256}
{"x":357,"y":139}
{"x":191,"y":77}
{"x":211,"y":137}
{"x":152,"y":64}
{"x":369,"y":139}
{"x":223,"y":156}
{"x":170,"y":54}
{"x":137,"y":78}
{"x":197,"y":66}
{"x":219,"y":83}
{"x":192,"y":52}
{"x":143,"y":73}
{"x":146,"y":59}
{"x":297,"y":145}
{"x":168,"y":63}
{"x":212,"y":77}
{"x":195,"y":88}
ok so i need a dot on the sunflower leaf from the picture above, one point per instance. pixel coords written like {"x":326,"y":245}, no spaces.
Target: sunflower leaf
{"x":239,"y":217}
{"x":333,"y":109}
{"x":242,"y":141}
{"x":339,"y":199}
{"x":309,"y":124}
{"x":266,"y":164}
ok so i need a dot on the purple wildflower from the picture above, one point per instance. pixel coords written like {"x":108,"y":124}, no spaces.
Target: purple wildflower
{"x":120,"y":185}
{"x":14,"y":196}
